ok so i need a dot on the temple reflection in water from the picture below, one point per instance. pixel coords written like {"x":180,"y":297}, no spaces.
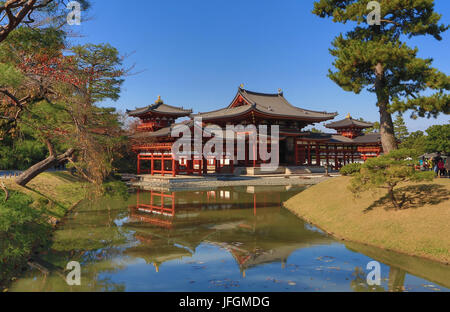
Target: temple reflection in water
{"x":248,"y":222}
{"x":218,"y":239}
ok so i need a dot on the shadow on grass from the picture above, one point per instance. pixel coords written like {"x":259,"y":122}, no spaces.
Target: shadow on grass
{"x":51,"y":200}
{"x":64,"y":175}
{"x":414,"y":197}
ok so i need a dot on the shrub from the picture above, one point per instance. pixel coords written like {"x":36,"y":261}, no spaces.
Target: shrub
{"x":387,"y":172}
{"x":350,"y":169}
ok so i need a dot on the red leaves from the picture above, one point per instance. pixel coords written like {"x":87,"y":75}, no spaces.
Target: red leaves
{"x":58,"y":68}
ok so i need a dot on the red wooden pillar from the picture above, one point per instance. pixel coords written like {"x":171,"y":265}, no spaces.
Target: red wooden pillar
{"x":152,"y":164}
{"x":336,"y":162}
{"x":247,"y":156}
{"x":254,"y":155}
{"x":205,"y":165}
{"x":309,"y":154}
{"x":317,"y":155}
{"x":191,"y":166}
{"x":296,"y":152}
{"x":174,"y":167}
{"x":327,"y":147}
{"x":199,"y":169}
{"x":139,"y":164}
{"x":200,"y":166}
{"x":162,"y":164}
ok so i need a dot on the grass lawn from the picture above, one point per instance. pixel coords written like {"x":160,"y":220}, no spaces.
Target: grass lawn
{"x":60,"y":190}
{"x":421,"y":228}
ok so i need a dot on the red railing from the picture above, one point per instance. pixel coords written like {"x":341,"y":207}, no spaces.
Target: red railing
{"x":152,"y":146}
{"x":369,"y":149}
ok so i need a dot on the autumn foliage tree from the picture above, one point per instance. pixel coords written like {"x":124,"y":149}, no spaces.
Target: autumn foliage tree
{"x":23,"y":77}
{"x":93,"y":132}
{"x":55,"y":96}
{"x":378,"y":58}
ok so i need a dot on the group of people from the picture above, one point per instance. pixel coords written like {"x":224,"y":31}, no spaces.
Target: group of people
{"x":437,"y":163}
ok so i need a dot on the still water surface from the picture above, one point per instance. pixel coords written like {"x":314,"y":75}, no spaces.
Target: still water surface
{"x":227,"y":239}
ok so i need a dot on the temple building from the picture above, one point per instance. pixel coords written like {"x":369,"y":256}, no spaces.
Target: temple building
{"x":348,"y":145}
{"x":153,"y":142}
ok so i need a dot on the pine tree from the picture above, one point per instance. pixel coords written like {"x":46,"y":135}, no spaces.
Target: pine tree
{"x":374,"y":129}
{"x":387,"y":172}
{"x":401,"y":131}
{"x":415,"y":141}
{"x":438,"y":139}
{"x":377,"y":58}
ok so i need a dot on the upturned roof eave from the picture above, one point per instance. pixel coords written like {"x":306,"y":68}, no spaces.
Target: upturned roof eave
{"x":154,"y":109}
{"x":253,"y":108}
{"x":336,"y":125}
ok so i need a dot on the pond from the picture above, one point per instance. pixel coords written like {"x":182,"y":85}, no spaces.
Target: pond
{"x":226,"y":239}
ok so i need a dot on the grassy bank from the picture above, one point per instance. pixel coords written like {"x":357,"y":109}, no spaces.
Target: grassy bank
{"x":420,"y":229}
{"x":27,"y":218}
{"x":59,"y":191}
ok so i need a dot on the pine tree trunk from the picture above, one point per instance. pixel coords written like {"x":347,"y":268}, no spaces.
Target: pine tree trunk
{"x":392,"y":198}
{"x":387,"y":133}
{"x":40,"y":167}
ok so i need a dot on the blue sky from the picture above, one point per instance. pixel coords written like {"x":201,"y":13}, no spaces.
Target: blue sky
{"x":196,"y":53}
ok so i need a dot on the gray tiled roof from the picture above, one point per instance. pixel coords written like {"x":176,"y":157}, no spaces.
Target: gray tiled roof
{"x":160,"y":108}
{"x":268,"y":104}
{"x":336,"y":138}
{"x":228,"y":112}
{"x":349,"y":122}
{"x":368,"y":138}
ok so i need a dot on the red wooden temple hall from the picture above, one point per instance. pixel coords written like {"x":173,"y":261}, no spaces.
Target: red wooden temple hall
{"x":348,"y":145}
{"x":297,"y":147}
{"x":153,"y":142}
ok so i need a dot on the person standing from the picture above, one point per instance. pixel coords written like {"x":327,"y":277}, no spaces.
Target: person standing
{"x":436,"y":161}
{"x":441,"y":168}
{"x":447,"y":167}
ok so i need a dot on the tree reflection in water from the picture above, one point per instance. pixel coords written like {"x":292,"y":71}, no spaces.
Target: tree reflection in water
{"x":396,"y":281}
